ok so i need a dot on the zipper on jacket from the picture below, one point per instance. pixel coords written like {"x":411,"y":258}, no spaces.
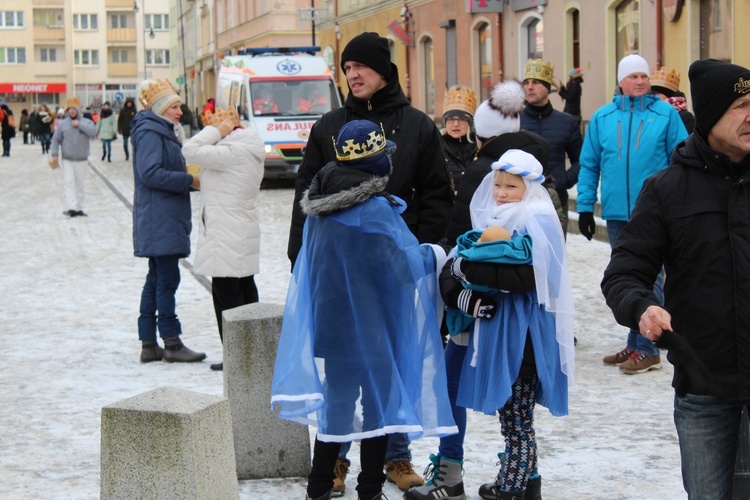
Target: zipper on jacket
{"x":619,"y":140}
{"x":627,"y":159}
{"x":369,"y":105}
{"x":638,"y":137}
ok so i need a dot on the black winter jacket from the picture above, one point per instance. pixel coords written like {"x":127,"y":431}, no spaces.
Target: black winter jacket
{"x":490,"y":152}
{"x":694,"y":218}
{"x":563,"y":135}
{"x":571,"y":94}
{"x":419,"y":177}
{"x":459,"y":153}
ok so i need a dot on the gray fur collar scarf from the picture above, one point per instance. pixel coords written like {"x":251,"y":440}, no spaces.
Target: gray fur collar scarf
{"x":335,"y":188}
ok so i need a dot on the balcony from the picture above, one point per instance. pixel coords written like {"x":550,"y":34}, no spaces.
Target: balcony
{"x":122,"y":69}
{"x":121,"y":35}
{"x":118,"y":4}
{"x":44,"y":3}
{"x":49,"y":33}
{"x":50,"y":68}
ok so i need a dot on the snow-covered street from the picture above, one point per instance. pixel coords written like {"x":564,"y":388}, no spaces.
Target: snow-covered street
{"x":69,"y":346}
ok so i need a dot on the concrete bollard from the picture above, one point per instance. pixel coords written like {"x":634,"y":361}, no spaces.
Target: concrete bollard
{"x":168,"y":443}
{"x":264,"y":445}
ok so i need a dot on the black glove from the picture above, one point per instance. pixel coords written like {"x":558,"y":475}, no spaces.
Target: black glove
{"x":586,"y":224}
{"x":467,"y":302}
{"x":456,"y":270}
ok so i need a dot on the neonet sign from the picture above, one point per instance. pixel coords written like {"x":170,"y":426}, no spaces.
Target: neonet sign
{"x":32,"y":88}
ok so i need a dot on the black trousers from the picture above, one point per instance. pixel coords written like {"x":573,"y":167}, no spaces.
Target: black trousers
{"x":370,"y":480}
{"x":229,"y":293}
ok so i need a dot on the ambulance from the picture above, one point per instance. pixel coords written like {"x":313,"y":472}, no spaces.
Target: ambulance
{"x":281,"y":92}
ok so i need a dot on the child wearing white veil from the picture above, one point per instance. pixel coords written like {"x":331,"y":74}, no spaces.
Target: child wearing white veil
{"x":496,"y":374}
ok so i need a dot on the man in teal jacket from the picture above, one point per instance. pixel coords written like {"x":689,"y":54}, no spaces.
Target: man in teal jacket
{"x":627,"y":141}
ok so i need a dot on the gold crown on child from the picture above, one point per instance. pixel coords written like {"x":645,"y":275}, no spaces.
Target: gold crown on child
{"x":155,"y":91}
{"x":663,"y":78}
{"x":218,"y":116}
{"x":351,"y":150}
{"x":538,"y":70}
{"x":460,"y":98}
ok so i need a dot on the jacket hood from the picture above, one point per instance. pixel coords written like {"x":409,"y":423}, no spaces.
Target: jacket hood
{"x":623,"y":102}
{"x":694,"y":152}
{"x":147,"y":121}
{"x":524,"y":140}
{"x":390,"y":96}
{"x":335,"y":188}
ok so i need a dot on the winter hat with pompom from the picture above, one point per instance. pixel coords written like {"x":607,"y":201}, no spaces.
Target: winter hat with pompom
{"x":501,"y":113}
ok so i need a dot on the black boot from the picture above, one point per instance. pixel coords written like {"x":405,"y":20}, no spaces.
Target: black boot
{"x":104,"y":155}
{"x":534,"y":488}
{"x":151,"y":351}
{"x":176,"y":352}
{"x":217,"y":367}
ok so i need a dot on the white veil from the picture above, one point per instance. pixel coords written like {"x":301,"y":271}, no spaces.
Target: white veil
{"x":535,"y":214}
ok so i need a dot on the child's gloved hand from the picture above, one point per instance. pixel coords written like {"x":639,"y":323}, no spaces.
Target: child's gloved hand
{"x":476,"y":304}
{"x":456,"y":270}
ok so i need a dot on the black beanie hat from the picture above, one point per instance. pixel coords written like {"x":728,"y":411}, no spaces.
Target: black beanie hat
{"x":370,"y":49}
{"x":714,"y":86}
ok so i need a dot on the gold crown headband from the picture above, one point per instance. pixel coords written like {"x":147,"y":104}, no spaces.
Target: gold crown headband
{"x":661,"y":78}
{"x":218,"y":116}
{"x":538,"y":70}
{"x":353,"y":151}
{"x":460,"y":98}
{"x":73,"y":102}
{"x":156,"y":91}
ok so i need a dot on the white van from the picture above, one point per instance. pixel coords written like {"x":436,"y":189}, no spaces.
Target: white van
{"x":281,"y":92}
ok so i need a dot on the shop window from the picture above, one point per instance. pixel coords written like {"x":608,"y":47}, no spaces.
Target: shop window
{"x":428,"y":76}
{"x":484,"y":45}
{"x":535,"y":39}
{"x":628,"y":28}
{"x":716,"y":30}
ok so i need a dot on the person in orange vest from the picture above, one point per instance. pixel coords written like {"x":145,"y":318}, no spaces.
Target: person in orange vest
{"x":315,"y":102}
{"x":265,"y":103}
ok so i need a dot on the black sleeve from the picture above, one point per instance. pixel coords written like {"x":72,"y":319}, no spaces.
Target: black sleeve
{"x":508,"y":277}
{"x":433,"y":186}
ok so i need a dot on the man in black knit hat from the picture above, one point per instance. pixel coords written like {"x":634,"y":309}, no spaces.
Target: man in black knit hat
{"x":420,"y":176}
{"x":693,"y":218}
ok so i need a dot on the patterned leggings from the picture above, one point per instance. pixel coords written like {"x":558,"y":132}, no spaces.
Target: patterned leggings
{"x":517,"y":425}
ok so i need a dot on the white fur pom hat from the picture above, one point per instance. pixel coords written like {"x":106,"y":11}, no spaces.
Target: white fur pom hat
{"x":501,"y":113}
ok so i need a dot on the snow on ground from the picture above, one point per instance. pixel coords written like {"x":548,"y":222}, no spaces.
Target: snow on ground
{"x":69,"y":347}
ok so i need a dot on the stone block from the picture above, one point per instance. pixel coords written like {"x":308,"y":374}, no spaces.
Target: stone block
{"x":265,"y":446}
{"x":168,"y":443}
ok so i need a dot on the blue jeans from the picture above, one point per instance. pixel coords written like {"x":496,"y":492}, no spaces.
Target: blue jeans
{"x":453,"y":446}
{"x":398,"y":448}
{"x":636,"y":341}
{"x":107,"y":148}
{"x":125,"y":140}
{"x":158,"y":299}
{"x":708,"y":431}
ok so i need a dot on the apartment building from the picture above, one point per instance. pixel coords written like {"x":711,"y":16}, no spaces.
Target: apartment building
{"x":96,"y":50}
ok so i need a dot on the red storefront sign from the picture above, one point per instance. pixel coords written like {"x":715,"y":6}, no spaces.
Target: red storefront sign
{"x":33,"y":88}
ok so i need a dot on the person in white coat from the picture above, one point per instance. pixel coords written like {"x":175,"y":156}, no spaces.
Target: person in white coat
{"x":231,"y":168}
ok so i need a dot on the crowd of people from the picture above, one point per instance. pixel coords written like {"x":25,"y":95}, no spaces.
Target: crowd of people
{"x":429,"y":266}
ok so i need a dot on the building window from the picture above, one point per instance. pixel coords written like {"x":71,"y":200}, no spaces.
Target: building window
{"x":119,"y":21}
{"x":85,"y":22}
{"x":11,"y":19}
{"x":157,"y":21}
{"x":428,"y":76}
{"x":119,"y":55}
{"x":628,"y":26}
{"x":575,"y":18}
{"x":86,"y":57}
{"x":12,"y":55}
{"x":535,"y":39}
{"x":49,"y":18}
{"x":484,"y":43}
{"x":47,"y":54}
{"x":157,"y":57}
{"x":716,"y":30}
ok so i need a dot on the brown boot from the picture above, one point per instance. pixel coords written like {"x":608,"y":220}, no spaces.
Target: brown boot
{"x":339,"y":480}
{"x":176,"y":352}
{"x":151,"y":351}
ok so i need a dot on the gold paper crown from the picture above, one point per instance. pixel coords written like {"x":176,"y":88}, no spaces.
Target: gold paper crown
{"x":661,"y":78}
{"x":461,"y":99}
{"x":156,"y":91}
{"x":537,"y":70}
{"x":351,"y":151}
{"x":220,"y":115}
{"x":73,"y":102}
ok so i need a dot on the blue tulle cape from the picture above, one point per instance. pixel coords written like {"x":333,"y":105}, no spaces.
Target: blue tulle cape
{"x":360,"y":353}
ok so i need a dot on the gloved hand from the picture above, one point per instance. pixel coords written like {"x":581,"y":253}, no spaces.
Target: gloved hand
{"x":456,"y":270}
{"x":476,"y":304}
{"x":586,"y":224}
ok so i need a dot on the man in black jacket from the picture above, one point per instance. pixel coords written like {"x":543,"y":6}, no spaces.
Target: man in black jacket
{"x":419,"y":177}
{"x":693,"y":218}
{"x":560,"y":130}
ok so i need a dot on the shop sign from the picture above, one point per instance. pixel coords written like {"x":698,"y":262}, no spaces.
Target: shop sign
{"x":33,"y":88}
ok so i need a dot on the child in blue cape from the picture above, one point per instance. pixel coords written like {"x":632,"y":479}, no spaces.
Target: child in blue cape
{"x":360,"y":354}
{"x":519,"y":348}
